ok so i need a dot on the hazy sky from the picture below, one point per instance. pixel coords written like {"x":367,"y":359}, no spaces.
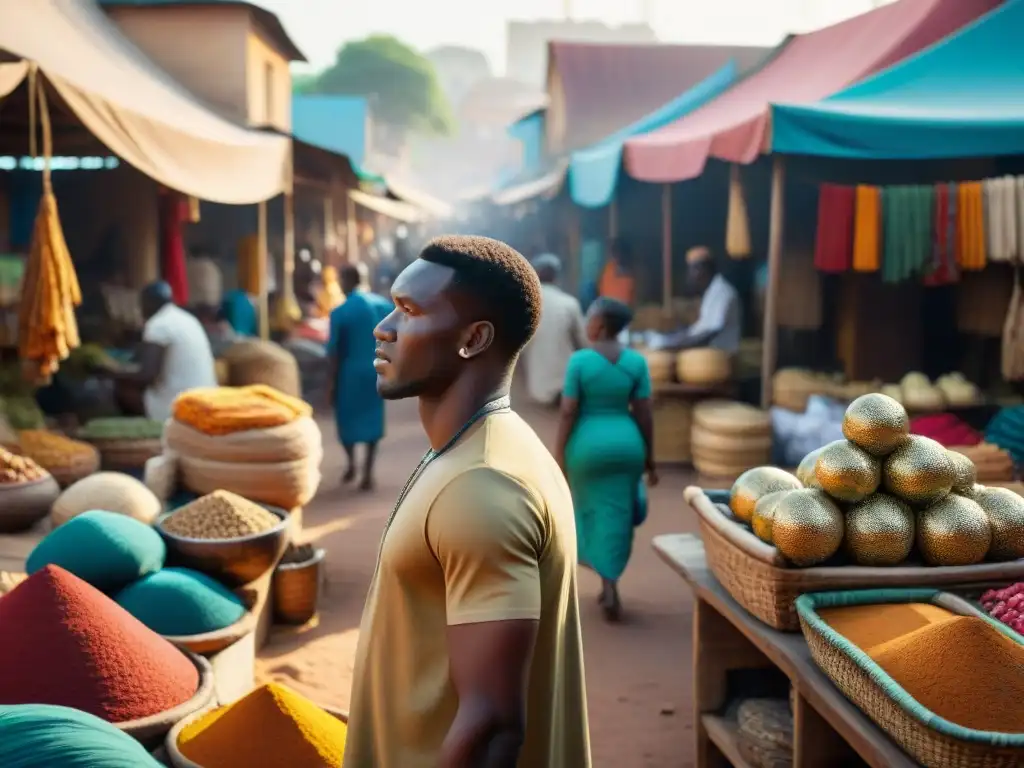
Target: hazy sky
{"x":320,"y":26}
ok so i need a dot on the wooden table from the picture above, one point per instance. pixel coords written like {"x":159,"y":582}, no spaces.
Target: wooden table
{"x":829,"y":731}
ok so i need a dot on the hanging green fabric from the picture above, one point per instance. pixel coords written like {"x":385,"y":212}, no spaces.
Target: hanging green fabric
{"x":892,"y":218}
{"x":921,"y":239}
{"x":907,"y":228}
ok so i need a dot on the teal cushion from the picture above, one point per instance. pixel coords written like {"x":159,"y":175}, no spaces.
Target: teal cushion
{"x":105,"y":549}
{"x":180,"y":602}
{"x":44,"y":736}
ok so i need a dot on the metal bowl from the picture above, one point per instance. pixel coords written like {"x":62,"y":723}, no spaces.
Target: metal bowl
{"x":22,"y":505}
{"x":235,"y":562}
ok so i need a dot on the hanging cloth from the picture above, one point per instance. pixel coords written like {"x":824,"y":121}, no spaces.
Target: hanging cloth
{"x":892,"y":226}
{"x":833,"y":245}
{"x":866,"y":230}
{"x":737,"y":226}
{"x":1008,"y":204}
{"x":1018,"y":184}
{"x":174,"y":214}
{"x":971,"y":218}
{"x":1013,"y":335}
{"x":908,"y":215}
{"x":923,"y":237}
{"x":943,"y":269}
{"x":1001,"y":218}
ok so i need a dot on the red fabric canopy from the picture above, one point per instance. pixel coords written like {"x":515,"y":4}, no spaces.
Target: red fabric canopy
{"x":734,"y":127}
{"x":598,"y":88}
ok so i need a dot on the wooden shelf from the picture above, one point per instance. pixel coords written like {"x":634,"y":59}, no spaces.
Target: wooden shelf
{"x":724,"y":734}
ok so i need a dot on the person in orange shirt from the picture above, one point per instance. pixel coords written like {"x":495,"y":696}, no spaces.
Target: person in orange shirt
{"x":617,"y":281}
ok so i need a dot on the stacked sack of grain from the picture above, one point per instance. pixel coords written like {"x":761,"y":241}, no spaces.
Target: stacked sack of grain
{"x":729,"y":438}
{"x":254,"y":441}
{"x":253,"y":361}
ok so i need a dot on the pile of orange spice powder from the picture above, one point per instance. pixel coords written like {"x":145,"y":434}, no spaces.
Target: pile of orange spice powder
{"x":959,"y":667}
{"x":272,"y":725}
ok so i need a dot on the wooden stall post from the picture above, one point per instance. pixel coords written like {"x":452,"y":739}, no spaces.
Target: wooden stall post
{"x":776,"y":238}
{"x":288,"y":261}
{"x":264,"y":276}
{"x":575,"y":235}
{"x":613,"y":220}
{"x":666,"y":249}
{"x":351,"y":233}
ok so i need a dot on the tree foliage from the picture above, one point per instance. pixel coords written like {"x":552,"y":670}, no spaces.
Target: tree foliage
{"x":400,"y":84}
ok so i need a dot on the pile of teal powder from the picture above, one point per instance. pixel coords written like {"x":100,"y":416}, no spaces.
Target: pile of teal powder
{"x":44,"y":736}
{"x":179,"y":602}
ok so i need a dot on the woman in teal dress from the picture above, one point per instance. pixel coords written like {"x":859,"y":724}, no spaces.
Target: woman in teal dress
{"x":358,"y":409}
{"x":604,"y":445}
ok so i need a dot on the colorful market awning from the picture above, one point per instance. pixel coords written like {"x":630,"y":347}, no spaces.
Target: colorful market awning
{"x":594,"y":171}
{"x":961,"y":98}
{"x":136,"y":109}
{"x":735,"y":127}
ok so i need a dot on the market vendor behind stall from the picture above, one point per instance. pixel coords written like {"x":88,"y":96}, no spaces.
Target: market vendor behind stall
{"x":719,"y":324}
{"x":174,"y":356}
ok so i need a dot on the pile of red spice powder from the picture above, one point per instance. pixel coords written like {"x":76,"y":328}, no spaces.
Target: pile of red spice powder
{"x":64,"y":642}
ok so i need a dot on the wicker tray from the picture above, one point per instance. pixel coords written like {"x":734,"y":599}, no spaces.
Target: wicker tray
{"x":931,"y":740}
{"x":121,"y":455}
{"x":760,"y":580}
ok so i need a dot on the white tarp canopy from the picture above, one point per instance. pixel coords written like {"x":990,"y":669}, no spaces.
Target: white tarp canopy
{"x":395,"y":209}
{"x":136,"y":109}
{"x":547,"y":186}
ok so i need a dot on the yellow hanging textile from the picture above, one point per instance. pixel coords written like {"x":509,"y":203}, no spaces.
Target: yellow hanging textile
{"x":47,"y":328}
{"x":194,"y":215}
{"x":970,"y":214}
{"x":867,"y":222}
{"x":249,"y":272}
{"x":330,"y":295}
{"x":737,"y":225}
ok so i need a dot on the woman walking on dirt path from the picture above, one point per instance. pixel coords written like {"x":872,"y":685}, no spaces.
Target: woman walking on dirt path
{"x":604,"y":441}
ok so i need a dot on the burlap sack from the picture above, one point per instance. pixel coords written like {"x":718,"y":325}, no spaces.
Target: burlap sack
{"x":289,"y":442}
{"x":286,"y":484}
{"x":253,"y":361}
{"x":161,"y":475}
{"x":110,"y":491}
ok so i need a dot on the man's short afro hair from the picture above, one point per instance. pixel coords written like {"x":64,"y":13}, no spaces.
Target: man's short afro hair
{"x":498,"y":278}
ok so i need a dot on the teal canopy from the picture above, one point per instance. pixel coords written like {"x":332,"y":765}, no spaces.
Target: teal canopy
{"x":963,"y":97}
{"x":594,"y":171}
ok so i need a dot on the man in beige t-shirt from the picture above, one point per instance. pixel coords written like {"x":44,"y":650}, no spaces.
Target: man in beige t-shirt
{"x":470,"y":650}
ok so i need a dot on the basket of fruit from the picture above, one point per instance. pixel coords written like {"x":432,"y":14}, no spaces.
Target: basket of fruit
{"x":124,"y":443}
{"x":27,"y":491}
{"x":881,"y":508}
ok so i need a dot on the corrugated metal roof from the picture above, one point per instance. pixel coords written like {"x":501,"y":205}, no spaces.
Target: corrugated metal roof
{"x":597,"y":89}
{"x":269,"y":21}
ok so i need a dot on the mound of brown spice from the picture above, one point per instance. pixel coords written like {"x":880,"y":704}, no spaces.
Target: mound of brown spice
{"x":959,"y":667}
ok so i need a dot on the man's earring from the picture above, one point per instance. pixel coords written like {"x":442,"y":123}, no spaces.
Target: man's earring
{"x":464,"y":353}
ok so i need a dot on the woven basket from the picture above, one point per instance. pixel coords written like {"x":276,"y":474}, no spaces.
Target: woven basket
{"x":297,"y":589}
{"x":253,"y":361}
{"x":765,"y":735}
{"x":674,"y":419}
{"x":660,"y":365}
{"x":703,"y":366}
{"x":161,"y":475}
{"x":120,"y":455}
{"x":76,"y":467}
{"x":928,"y":738}
{"x":110,"y":491}
{"x":178,"y":760}
{"x":151,"y":731}
{"x":760,"y":580}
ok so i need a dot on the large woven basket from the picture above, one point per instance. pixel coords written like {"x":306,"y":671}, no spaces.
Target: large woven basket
{"x":760,"y":579}
{"x":674,"y":419}
{"x":931,"y":740}
{"x":120,"y":455}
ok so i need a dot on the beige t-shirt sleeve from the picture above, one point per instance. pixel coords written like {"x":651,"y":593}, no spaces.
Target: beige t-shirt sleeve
{"x":487,"y":531}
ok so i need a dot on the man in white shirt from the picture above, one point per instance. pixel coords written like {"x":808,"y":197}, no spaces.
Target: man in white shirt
{"x":174,"y":356}
{"x":719,"y":324}
{"x":560,"y":333}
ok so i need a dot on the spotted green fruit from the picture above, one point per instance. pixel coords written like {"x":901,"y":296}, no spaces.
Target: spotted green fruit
{"x":953,"y":531}
{"x":807,"y":528}
{"x":805,"y":472}
{"x":877,"y":423}
{"x":846,"y":472}
{"x":756,"y":483}
{"x":964,"y":472}
{"x":764,"y":515}
{"x":879,"y":531}
{"x":919,"y":471}
{"x":1005,"y":510}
